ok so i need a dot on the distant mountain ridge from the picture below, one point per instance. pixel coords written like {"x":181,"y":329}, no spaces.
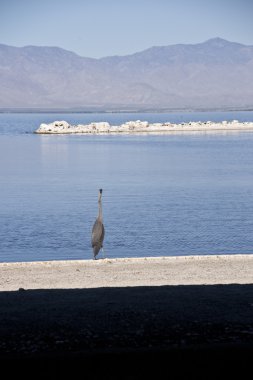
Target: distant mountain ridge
{"x":213,"y":74}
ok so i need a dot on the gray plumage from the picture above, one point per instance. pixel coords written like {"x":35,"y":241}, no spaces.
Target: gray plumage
{"x":98,"y":230}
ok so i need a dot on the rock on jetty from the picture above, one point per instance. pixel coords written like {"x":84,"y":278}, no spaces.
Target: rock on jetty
{"x":138,"y":126}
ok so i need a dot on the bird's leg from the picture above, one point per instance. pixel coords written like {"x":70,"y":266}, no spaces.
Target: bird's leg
{"x":103,"y":252}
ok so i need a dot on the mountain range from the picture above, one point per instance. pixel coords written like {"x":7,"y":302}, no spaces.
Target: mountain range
{"x":213,"y":74}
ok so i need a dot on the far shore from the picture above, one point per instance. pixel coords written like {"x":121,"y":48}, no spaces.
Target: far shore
{"x":122,"y":110}
{"x":120,"y":272}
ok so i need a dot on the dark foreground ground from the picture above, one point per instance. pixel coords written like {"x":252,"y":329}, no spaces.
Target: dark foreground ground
{"x":167,"y":332}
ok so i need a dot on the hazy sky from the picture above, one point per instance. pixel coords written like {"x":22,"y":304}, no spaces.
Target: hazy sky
{"x":98,"y":28}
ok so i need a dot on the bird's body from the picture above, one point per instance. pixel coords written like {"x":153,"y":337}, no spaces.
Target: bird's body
{"x":98,"y":233}
{"x":98,"y":230}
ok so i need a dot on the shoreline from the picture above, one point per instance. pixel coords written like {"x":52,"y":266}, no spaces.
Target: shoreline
{"x":121,"y":272}
{"x":186,"y":314}
{"x":123,"y":110}
{"x":142,"y":127}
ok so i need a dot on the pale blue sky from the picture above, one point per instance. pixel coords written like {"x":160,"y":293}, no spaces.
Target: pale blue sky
{"x":98,"y":28}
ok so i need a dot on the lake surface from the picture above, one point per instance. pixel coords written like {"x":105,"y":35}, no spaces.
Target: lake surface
{"x":172,"y":194}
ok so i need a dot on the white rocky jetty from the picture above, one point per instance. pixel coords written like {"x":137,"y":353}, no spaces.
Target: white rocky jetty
{"x":138,"y":126}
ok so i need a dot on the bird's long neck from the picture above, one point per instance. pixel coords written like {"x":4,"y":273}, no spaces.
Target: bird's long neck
{"x":100,"y":213}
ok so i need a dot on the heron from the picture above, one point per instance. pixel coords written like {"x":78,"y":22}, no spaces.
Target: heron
{"x":98,"y":230}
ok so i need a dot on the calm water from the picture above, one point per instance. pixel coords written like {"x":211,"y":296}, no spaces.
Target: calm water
{"x":175,"y":194}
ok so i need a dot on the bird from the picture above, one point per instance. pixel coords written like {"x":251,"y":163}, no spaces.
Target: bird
{"x":98,"y":230}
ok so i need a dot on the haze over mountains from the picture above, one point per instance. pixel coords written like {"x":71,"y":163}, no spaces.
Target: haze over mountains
{"x":213,"y":74}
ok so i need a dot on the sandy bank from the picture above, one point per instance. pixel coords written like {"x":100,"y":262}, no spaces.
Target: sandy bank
{"x":151,"y":271}
{"x":138,"y":126}
{"x":189,"y":315}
